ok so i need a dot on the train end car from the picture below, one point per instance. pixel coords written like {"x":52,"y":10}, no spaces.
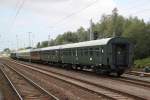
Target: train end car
{"x":108,"y":55}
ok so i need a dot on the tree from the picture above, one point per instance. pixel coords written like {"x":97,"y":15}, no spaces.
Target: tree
{"x":7,"y":50}
{"x":67,"y":37}
{"x":51,"y":42}
{"x":82,"y":34}
{"x":114,"y":20}
{"x":38,"y":45}
{"x":136,"y":30}
{"x":44,"y":44}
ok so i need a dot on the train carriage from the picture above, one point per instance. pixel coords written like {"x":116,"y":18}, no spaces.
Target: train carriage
{"x":35,"y":55}
{"x":23,"y":54}
{"x":106,"y":55}
{"x":50,"y":54}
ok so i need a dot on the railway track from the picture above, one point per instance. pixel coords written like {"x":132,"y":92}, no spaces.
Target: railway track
{"x":135,"y":81}
{"x":25,"y":88}
{"x":6,"y":90}
{"x":123,"y":79}
{"x":138,"y":82}
{"x":95,"y":88}
{"x":137,"y":73}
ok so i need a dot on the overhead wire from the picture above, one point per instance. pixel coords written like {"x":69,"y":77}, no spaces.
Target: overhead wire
{"x":135,"y":6}
{"x":16,"y":14}
{"x":141,"y":11}
{"x":19,"y":5}
{"x":74,"y":13}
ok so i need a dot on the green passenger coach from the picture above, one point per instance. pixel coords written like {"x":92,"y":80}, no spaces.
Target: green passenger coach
{"x":104,"y":55}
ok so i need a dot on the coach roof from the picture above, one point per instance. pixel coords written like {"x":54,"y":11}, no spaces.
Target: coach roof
{"x":23,"y":51}
{"x":87,"y":43}
{"x":79,"y":44}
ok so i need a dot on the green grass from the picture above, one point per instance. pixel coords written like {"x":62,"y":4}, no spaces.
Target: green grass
{"x":141,"y":63}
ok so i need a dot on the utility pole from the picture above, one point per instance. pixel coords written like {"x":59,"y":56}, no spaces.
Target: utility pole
{"x":115,"y":14}
{"x":17,"y":41}
{"x":17,"y":45}
{"x":32,"y":40}
{"x":49,"y":40}
{"x":29,"y":33}
{"x":91,"y":32}
{"x":30,"y":46}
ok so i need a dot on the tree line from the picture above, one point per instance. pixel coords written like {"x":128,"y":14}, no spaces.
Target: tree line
{"x":133,"y":28}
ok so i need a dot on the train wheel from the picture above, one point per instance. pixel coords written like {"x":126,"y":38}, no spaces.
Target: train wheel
{"x":79,"y":67}
{"x":119,"y":74}
{"x":107,"y":73}
{"x":95,"y":69}
{"x":73,"y":67}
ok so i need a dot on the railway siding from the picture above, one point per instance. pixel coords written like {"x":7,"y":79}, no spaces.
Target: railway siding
{"x":24,"y":87}
{"x":142,"y":74}
{"x":6,"y":90}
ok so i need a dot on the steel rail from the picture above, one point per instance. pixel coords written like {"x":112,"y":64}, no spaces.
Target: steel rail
{"x":33,"y":83}
{"x":15,"y":89}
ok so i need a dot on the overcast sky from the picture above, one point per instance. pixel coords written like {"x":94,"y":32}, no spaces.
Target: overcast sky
{"x":53,"y":17}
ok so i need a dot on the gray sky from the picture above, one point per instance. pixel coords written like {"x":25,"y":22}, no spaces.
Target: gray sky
{"x":53,"y":17}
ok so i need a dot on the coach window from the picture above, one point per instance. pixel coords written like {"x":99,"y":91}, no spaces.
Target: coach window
{"x":66,"y":51}
{"x":86,"y":52}
{"x":63,"y":52}
{"x":97,"y":51}
{"x":91,"y":51}
{"x":53,"y":52}
{"x":69,"y":52}
{"x":73,"y":52}
{"x":56,"y":51}
{"x":81,"y":50}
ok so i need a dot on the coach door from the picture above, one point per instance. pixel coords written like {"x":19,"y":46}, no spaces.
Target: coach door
{"x":120,"y":54}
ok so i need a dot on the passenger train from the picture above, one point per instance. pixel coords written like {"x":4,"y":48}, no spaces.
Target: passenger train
{"x":108,"y":55}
